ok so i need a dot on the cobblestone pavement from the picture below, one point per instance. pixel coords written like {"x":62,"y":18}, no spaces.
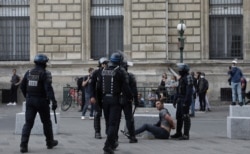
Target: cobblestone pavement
{"x":208,"y":135}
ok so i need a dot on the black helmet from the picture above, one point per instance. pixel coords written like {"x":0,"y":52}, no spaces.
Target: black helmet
{"x":102,"y":60}
{"x":41,"y":59}
{"x":116,"y":58}
{"x":182,"y":67}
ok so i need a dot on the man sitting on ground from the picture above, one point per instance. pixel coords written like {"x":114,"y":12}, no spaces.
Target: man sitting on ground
{"x":162,"y":128}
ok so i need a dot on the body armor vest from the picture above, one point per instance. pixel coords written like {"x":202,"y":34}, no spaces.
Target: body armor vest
{"x":35,"y":85}
{"x":110,"y":84}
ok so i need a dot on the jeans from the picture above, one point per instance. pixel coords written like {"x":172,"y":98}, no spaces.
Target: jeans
{"x":158,"y":132}
{"x":86,"y":104}
{"x":236,"y":91}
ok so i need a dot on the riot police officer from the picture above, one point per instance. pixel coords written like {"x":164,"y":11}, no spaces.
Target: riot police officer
{"x":96,"y":95}
{"x":114,"y":83}
{"x":127,"y":106}
{"x":183,"y":100}
{"x":37,"y":88}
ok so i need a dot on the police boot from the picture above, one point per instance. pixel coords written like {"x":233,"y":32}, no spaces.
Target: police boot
{"x":108,"y":150}
{"x":178,"y":129}
{"x":132,"y":138}
{"x":187,"y":125}
{"x":51,"y":144}
{"x":97,"y":127}
{"x":23,"y":148}
{"x":233,"y":103}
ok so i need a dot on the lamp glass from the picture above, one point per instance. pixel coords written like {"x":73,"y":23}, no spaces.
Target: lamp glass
{"x":181,"y":26}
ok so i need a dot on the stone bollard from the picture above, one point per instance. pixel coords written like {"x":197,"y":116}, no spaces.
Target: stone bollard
{"x":38,"y":127}
{"x":238,"y":122}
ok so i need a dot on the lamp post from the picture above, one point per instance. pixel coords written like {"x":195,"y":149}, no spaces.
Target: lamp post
{"x":181,"y":28}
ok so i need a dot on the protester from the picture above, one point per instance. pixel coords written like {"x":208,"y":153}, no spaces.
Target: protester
{"x":162,"y":128}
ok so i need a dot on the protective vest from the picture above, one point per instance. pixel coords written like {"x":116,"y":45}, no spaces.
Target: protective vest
{"x":183,"y":83}
{"x":35,"y":85}
{"x":110,"y":85}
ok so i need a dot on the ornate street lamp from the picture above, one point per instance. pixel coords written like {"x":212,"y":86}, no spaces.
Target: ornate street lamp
{"x":181,"y":28}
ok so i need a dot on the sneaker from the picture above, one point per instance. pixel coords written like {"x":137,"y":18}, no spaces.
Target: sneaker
{"x":91,"y":118}
{"x":82,"y":117}
{"x":10,"y":103}
{"x":14,"y":103}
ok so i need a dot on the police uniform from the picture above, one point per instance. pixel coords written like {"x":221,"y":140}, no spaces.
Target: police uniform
{"x":114,"y":83}
{"x":37,"y":88}
{"x":127,"y":108}
{"x":183,"y":99}
{"x":96,"y":93}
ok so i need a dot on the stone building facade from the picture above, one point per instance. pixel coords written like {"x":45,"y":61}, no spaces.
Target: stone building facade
{"x":62,"y":30}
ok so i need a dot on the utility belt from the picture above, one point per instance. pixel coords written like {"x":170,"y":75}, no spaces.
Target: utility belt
{"x":35,"y":95}
{"x":111,"y":98}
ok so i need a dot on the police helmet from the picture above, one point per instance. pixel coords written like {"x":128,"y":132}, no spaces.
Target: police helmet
{"x":116,"y":58}
{"x":102,"y":60}
{"x":41,"y":59}
{"x":182,"y":67}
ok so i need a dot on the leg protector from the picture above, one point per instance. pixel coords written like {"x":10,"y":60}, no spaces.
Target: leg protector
{"x":187,"y":124}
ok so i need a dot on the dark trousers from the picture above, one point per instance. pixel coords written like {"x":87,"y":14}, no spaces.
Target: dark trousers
{"x":158,"y":132}
{"x":129,"y":117}
{"x":97,"y":116}
{"x":13,"y":93}
{"x":182,"y":117}
{"x":33,"y":106}
{"x":112,"y":111}
{"x":202,"y":98}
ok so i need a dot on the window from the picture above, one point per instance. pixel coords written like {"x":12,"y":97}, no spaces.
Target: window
{"x":226,"y":29}
{"x":106,"y":27}
{"x":14,"y":30}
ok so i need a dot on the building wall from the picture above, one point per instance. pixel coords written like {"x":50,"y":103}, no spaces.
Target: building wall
{"x":61,"y":30}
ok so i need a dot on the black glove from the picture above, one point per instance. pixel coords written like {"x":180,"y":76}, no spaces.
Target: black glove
{"x":54,"y":105}
{"x":136,"y":102}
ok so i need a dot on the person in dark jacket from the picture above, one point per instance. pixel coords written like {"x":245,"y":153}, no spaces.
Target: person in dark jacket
{"x":115,"y":81}
{"x":37,"y":88}
{"x":183,"y":100}
{"x":96,"y":95}
{"x":202,"y":88}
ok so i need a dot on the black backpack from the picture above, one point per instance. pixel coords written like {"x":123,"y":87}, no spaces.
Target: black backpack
{"x":79,"y":83}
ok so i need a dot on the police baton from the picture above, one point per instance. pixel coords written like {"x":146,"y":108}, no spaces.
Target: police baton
{"x":55,"y":116}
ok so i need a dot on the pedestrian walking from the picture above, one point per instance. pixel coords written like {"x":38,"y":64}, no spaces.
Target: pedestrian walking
{"x":37,"y":88}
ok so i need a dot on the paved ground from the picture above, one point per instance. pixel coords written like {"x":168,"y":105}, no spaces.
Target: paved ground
{"x":208,"y":136}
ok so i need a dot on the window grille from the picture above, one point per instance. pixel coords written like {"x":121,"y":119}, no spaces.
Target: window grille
{"x":226,"y":29}
{"x":106,"y":27}
{"x":14,"y":30}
